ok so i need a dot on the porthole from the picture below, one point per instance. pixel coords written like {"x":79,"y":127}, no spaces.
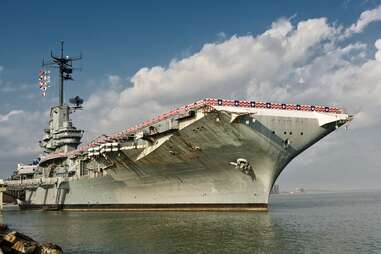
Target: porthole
{"x":301,"y":133}
{"x":284,"y":133}
{"x":273,"y":132}
{"x":290,"y":132}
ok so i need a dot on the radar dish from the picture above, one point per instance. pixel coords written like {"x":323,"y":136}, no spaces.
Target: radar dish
{"x":77,"y":101}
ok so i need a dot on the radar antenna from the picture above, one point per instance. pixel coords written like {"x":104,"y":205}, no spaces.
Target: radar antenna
{"x":65,"y":66}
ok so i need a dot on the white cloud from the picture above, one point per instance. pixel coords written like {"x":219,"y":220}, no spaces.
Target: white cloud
{"x":1,"y":71}
{"x":305,"y":63}
{"x":365,"y":19}
{"x":20,"y":132}
{"x":221,"y":36}
{"x":9,"y":87}
{"x":377,"y":44}
{"x":6,"y":117}
{"x":113,"y":79}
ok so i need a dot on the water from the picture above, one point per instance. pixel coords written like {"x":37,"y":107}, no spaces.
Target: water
{"x":305,"y":223}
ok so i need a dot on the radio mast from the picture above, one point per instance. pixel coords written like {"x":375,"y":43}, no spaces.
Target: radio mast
{"x":65,"y":66}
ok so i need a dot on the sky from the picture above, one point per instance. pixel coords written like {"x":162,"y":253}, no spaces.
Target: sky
{"x":142,"y":58}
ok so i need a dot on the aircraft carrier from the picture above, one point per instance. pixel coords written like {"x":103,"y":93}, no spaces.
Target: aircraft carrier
{"x":214,"y":154}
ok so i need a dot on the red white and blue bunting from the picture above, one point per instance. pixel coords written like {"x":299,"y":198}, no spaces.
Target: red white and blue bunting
{"x":44,"y":81}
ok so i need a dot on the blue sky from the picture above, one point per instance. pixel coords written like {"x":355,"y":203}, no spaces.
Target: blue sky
{"x":120,"y":38}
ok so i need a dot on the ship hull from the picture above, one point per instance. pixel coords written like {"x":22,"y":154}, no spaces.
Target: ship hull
{"x":217,"y":161}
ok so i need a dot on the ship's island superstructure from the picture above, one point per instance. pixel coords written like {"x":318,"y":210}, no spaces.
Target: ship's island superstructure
{"x":214,"y":154}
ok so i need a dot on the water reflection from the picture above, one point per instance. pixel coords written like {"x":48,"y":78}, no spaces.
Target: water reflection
{"x":303,"y":224}
{"x":149,"y":232}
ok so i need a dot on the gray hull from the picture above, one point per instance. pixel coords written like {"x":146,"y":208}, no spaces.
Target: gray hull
{"x":222,"y":158}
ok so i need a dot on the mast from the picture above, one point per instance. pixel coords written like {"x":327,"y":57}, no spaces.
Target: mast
{"x":61,"y":135}
{"x":65,"y":67}
{"x":61,"y":94}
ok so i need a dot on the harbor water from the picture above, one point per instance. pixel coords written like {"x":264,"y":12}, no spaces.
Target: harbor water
{"x":346,"y":222}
